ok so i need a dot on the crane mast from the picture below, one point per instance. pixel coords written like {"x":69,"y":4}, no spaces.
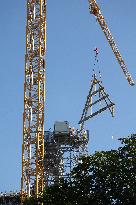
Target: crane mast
{"x":94,"y":9}
{"x":32,"y":182}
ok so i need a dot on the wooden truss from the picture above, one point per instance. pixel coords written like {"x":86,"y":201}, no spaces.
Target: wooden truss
{"x":96,"y":97}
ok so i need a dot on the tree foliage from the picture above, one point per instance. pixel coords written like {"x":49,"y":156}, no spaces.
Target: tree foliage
{"x":104,"y":178}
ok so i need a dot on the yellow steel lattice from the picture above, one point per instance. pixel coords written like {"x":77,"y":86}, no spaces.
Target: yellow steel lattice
{"x":34,"y":99}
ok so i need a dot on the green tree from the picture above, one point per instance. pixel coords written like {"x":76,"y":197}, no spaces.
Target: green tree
{"x":108,"y":177}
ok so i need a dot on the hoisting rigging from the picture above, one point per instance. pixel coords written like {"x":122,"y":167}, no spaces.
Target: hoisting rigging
{"x":98,"y":99}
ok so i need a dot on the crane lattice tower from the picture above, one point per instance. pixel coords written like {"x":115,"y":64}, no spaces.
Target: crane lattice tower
{"x":34,"y":99}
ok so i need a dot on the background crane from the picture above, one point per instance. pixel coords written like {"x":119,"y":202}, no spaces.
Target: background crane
{"x":95,"y":9}
{"x":34,"y":99}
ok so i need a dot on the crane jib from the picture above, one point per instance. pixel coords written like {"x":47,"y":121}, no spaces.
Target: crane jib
{"x":95,"y":10}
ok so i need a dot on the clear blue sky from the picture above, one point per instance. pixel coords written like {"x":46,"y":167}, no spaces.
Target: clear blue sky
{"x":72,"y":34}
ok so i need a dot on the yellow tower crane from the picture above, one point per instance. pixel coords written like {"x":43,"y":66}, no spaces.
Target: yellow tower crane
{"x":95,"y":10}
{"x":32,"y":182}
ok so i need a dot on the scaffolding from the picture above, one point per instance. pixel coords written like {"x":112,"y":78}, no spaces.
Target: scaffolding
{"x":63,"y":150}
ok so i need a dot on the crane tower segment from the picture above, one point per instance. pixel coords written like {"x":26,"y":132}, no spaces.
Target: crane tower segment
{"x":34,"y":99}
{"x":95,"y":10}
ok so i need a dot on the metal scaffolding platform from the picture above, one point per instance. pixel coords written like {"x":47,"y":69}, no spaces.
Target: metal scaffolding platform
{"x":63,"y":147}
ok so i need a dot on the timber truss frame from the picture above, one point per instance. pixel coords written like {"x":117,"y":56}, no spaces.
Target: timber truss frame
{"x":96,"y":90}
